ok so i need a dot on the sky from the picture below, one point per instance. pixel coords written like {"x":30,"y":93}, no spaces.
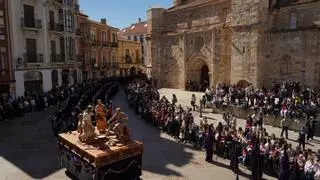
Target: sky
{"x":120,"y":13}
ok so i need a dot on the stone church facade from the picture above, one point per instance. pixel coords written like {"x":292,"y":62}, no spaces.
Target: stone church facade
{"x":232,"y":41}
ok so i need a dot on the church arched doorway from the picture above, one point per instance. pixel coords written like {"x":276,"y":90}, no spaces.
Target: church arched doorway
{"x":198,"y":78}
{"x":132,"y":71}
{"x":204,"y":74}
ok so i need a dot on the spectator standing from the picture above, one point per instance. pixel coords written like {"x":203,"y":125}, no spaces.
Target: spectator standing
{"x":208,"y":144}
{"x":302,"y":137}
{"x":285,"y":127}
{"x":284,"y":165}
{"x":193,"y":101}
{"x":174,"y":99}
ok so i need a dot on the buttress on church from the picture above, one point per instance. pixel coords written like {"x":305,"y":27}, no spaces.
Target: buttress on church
{"x":234,"y":41}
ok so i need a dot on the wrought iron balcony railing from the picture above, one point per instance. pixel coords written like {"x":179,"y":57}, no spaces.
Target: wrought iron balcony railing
{"x":33,"y":58}
{"x":95,"y":43}
{"x":31,"y":23}
{"x":56,"y":58}
{"x":56,"y":27}
{"x":109,"y":44}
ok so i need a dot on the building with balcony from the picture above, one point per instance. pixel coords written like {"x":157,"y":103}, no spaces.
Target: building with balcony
{"x":7,"y":85}
{"x":44,"y":38}
{"x":130,"y":59}
{"x":99,"y":47}
{"x":138,"y":32}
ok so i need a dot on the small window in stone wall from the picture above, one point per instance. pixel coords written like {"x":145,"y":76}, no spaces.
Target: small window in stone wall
{"x":285,"y":65}
{"x":293,"y":20}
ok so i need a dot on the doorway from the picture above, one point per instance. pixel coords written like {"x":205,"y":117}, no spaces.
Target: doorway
{"x":204,"y":74}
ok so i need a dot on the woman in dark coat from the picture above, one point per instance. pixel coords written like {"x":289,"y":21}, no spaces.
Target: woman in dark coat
{"x":208,"y":144}
{"x":284,"y":165}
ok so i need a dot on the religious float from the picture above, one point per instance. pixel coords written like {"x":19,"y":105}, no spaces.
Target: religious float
{"x":88,"y":154}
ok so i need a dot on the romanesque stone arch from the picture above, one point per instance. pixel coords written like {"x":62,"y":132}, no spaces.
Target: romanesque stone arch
{"x":198,"y":69}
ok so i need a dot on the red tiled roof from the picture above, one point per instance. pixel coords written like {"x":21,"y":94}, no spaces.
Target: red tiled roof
{"x":137,"y":28}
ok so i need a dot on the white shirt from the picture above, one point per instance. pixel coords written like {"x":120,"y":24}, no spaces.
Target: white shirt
{"x":310,"y":167}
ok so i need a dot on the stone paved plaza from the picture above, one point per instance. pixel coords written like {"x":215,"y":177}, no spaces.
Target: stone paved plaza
{"x":28,"y":149}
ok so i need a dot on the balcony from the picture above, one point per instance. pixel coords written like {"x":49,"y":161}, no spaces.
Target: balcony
{"x":78,"y":32}
{"x":114,"y":65}
{"x":56,"y":58}
{"x":56,"y":27}
{"x":80,"y":58}
{"x":35,"y":24}
{"x":95,"y":43}
{"x":77,"y":8}
{"x":72,"y":57}
{"x":33,"y":58}
{"x":109,"y":44}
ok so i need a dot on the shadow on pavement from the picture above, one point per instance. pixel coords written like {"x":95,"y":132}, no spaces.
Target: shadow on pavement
{"x":28,"y":143}
{"x":159,"y":152}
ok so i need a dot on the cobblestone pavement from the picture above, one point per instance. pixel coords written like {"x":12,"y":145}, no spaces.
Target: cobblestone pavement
{"x":28,"y":151}
{"x":184,"y":99}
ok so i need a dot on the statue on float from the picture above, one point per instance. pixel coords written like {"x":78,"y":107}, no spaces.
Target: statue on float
{"x":116,"y":126}
{"x":100,"y":110}
{"x":85,"y":127}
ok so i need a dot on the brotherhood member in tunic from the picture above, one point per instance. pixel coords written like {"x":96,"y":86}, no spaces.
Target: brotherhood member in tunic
{"x":101,"y":116}
{"x":284,"y":165}
{"x":208,"y":144}
{"x":85,"y":126}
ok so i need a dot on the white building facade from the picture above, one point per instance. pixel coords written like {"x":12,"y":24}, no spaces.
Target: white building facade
{"x":44,"y":42}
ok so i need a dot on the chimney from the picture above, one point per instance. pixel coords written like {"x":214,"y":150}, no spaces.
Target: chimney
{"x":104,"y":21}
{"x":139,"y":20}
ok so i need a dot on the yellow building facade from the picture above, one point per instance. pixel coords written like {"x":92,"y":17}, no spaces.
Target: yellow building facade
{"x":99,"y":46}
{"x":129,"y":57}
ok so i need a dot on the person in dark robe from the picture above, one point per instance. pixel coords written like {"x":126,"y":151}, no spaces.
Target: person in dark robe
{"x":208,"y":144}
{"x":255,"y":159}
{"x":284,"y":165}
{"x":235,"y":153}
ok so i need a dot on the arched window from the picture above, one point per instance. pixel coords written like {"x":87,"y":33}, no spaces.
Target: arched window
{"x":293,"y":20}
{"x":285,"y":65}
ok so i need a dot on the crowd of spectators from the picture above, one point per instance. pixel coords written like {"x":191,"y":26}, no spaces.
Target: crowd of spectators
{"x":286,"y":99}
{"x":252,"y":145}
{"x":197,"y":87}
{"x":32,"y":101}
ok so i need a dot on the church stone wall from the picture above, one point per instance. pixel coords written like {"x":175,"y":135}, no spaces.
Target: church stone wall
{"x":237,"y":40}
{"x":247,"y":39}
{"x":294,"y":56}
{"x":292,"y":46}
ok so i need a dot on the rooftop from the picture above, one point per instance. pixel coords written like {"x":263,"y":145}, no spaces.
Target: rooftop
{"x":137,"y":28}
